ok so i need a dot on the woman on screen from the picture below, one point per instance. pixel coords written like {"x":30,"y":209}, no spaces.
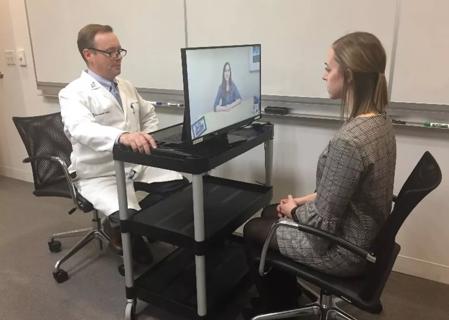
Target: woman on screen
{"x":228,"y":96}
{"x":354,"y":178}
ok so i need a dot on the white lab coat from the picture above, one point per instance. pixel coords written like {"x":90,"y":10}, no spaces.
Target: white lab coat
{"x":93,"y":121}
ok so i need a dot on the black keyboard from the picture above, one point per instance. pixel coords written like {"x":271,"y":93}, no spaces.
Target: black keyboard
{"x":167,"y":151}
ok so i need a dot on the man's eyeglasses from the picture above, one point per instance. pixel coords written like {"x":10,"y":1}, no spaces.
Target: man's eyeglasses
{"x":119,"y":53}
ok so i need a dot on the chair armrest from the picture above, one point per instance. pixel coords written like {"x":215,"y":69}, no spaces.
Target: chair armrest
{"x":316,"y":232}
{"x":65,"y":170}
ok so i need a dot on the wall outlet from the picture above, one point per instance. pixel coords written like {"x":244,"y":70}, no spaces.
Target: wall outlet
{"x":21,"y":60}
{"x":10,"y":57}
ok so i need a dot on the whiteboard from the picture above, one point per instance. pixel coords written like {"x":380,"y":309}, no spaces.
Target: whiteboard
{"x":295,"y":34}
{"x":151,"y":30}
{"x":295,"y":37}
{"x":421,"y":69}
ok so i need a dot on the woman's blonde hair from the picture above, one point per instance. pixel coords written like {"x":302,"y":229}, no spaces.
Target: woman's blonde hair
{"x":362,"y":60}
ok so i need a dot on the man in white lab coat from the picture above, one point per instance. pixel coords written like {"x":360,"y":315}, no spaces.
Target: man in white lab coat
{"x":99,"y":109}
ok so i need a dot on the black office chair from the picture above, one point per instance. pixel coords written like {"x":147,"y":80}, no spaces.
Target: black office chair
{"x":363,"y":291}
{"x":49,"y":152}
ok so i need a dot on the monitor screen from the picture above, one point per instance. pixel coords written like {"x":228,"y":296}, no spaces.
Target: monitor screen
{"x":221,"y":89}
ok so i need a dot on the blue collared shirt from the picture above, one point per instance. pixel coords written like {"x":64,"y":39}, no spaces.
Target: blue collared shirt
{"x":111,"y":86}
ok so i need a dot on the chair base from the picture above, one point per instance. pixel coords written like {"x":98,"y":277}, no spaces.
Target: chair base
{"x":324,"y":308}
{"x":317,"y":310}
{"x":89,"y":234}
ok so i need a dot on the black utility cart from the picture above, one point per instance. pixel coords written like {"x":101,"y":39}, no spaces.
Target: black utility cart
{"x":197,"y":219}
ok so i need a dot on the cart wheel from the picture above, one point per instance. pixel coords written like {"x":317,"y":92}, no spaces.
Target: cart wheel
{"x":54,"y":245}
{"x":121,"y":269}
{"x":130,"y":311}
{"x":60,"y":276}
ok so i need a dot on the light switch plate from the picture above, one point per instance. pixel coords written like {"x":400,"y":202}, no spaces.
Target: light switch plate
{"x":21,"y":60}
{"x":10,"y":57}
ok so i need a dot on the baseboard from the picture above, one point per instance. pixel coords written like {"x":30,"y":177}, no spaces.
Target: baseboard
{"x":20,"y":174}
{"x":422,"y":268}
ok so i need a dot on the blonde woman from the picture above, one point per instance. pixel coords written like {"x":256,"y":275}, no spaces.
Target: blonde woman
{"x":354,"y":179}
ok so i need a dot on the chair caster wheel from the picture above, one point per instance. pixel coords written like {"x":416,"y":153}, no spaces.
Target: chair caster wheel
{"x":54,"y":245}
{"x":130,"y":311}
{"x":60,"y":276}
{"x":121,"y":269}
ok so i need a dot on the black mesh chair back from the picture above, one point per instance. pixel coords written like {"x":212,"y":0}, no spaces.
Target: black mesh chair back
{"x":44,"y":136}
{"x":49,"y":152}
{"x":425,"y":177}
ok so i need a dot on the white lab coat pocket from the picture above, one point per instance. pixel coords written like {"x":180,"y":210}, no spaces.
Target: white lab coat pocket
{"x":102,"y":109}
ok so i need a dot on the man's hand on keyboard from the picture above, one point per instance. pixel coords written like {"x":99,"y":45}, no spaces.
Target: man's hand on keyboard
{"x":138,"y":141}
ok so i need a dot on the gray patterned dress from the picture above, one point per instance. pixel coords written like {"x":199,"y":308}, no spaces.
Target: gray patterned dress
{"x":354,"y":185}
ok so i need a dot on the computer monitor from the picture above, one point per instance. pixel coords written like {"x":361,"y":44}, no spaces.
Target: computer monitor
{"x":222,"y":89}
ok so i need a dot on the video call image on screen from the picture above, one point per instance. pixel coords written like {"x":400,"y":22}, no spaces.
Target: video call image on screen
{"x":223,"y":87}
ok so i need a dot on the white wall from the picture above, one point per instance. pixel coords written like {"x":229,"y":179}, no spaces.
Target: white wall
{"x":423,"y":45}
{"x":18,"y":93}
{"x":298,"y":143}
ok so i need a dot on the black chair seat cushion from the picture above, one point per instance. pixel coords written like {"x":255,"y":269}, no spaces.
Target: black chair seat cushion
{"x":54,"y":189}
{"x":347,"y":288}
{"x":60,"y":189}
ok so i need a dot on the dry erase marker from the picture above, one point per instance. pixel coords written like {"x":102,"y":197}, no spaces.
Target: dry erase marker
{"x":395,"y":121}
{"x":436,"y":125}
{"x":160,"y":103}
{"x":175,"y":104}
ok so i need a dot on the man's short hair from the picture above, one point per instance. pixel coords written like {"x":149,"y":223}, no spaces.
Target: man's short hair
{"x":87,"y":34}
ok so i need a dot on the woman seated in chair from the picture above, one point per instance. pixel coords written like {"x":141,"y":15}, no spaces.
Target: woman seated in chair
{"x":354,"y":178}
